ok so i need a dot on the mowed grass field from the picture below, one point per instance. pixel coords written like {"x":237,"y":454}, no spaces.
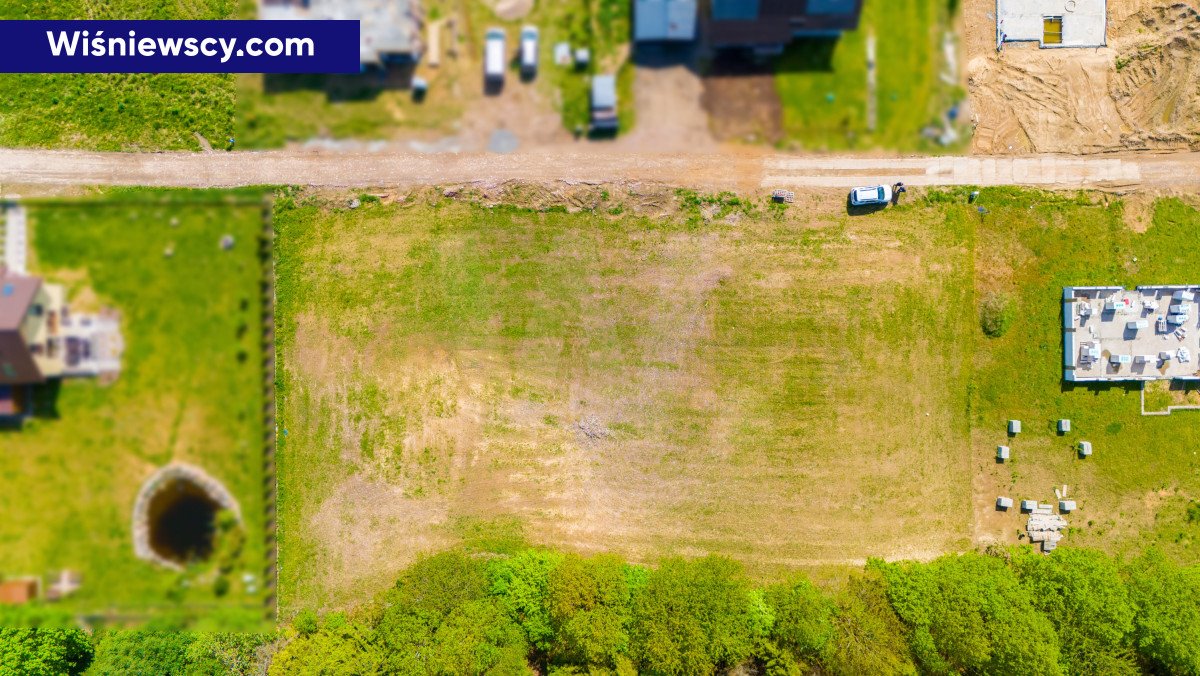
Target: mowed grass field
{"x":1137,"y":488}
{"x":190,"y":390}
{"x":134,"y":112}
{"x":822,"y":85}
{"x":785,"y":388}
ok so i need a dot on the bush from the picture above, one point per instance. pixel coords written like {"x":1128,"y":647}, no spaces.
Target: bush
{"x":995,"y":315}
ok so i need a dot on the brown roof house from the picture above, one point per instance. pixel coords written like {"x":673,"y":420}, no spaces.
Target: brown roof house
{"x":40,"y":339}
{"x":767,"y":26}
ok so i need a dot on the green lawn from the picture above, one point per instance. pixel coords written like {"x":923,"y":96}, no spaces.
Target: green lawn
{"x":115,"y":111}
{"x":822,"y":83}
{"x":190,"y":390}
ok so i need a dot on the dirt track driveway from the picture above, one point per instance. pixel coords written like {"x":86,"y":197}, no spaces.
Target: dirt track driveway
{"x":742,"y":170}
{"x":667,"y":92}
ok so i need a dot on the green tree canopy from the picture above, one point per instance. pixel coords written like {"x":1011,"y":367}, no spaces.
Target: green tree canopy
{"x":1167,"y":623}
{"x":969,"y":613}
{"x":588,"y":604}
{"x":1081,"y":591}
{"x":803,"y":618}
{"x":868,"y":636}
{"x":43,"y":652}
{"x":693,"y":617}
{"x":142,"y":653}
{"x":338,"y":647}
{"x":521,"y":583}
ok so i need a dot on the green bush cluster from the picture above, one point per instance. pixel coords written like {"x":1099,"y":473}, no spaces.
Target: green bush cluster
{"x":1006,"y":611}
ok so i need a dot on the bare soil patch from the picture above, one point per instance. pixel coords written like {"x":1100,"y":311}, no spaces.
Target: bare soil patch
{"x":1141,"y":92}
{"x":742,"y":101}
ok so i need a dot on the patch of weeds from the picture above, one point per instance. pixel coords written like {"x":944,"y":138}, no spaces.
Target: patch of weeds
{"x":996,"y":315}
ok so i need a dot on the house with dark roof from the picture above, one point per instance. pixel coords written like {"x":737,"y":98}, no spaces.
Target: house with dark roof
{"x":767,"y":26}
{"x":41,"y":339}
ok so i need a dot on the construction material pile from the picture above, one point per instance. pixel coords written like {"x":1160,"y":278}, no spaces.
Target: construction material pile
{"x":1045,"y":527}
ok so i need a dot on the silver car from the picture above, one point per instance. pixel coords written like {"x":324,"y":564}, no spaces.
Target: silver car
{"x":875,"y":194}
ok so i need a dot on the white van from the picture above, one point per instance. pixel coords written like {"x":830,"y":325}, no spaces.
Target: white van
{"x":529,"y":51}
{"x":493,"y":55}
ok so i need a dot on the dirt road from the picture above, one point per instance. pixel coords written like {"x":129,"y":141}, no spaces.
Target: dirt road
{"x":742,"y":171}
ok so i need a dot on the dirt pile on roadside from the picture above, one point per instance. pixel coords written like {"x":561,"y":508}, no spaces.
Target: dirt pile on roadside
{"x":1142,"y":92}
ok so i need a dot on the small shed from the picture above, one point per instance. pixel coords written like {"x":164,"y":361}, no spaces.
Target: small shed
{"x":1002,"y":453}
{"x":1014,"y":426}
{"x":19,"y":591}
{"x":1066,"y":506}
{"x":1003,"y":504}
{"x":1085,"y":449}
{"x":1064,"y":426}
{"x":1028,"y":505}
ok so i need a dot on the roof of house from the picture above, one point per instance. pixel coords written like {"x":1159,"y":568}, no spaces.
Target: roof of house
{"x":765,"y":22}
{"x":388,"y":27}
{"x":16,"y":294}
{"x":16,"y":363}
{"x":664,"y":20}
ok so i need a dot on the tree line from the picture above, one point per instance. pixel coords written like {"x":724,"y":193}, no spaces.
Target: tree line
{"x":1004,"y":611}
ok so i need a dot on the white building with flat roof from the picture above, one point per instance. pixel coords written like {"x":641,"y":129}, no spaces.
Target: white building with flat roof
{"x":1148,"y":333}
{"x":1052,"y":23}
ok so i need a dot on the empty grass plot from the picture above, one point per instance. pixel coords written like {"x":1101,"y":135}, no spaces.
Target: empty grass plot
{"x":787,"y":387}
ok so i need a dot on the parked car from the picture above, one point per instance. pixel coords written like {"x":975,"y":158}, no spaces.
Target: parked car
{"x":493,"y":56}
{"x":529,"y":51}
{"x":875,"y":194}
{"x":604,"y":103}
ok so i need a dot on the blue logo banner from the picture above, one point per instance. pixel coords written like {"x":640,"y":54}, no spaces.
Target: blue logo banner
{"x":301,"y":46}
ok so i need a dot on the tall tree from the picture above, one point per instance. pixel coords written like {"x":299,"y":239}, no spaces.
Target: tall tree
{"x":1167,"y":625}
{"x":1084,"y":595}
{"x":969,"y":613}
{"x":693,"y":617}
{"x":44,"y":652}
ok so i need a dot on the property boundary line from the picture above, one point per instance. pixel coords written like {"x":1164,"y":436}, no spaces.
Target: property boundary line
{"x":270,"y":480}
{"x":1169,"y":408}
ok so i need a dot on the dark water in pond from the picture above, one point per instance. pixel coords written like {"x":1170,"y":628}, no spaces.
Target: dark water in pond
{"x":182,"y":518}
